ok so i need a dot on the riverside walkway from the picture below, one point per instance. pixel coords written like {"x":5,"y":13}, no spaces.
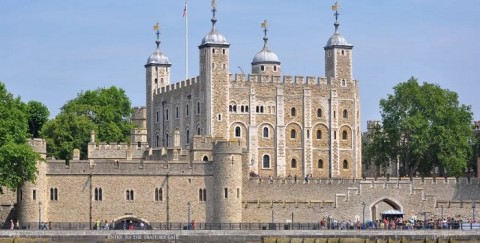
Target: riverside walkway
{"x":235,"y":235}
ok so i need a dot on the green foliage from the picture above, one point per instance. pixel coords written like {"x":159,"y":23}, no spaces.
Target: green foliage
{"x":424,"y":126}
{"x":17,"y":159}
{"x":37,"y":116}
{"x":106,"y":111}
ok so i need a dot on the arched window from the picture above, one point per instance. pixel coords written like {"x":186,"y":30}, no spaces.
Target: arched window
{"x":246,"y":108}
{"x":238,"y":132}
{"x":139,"y":144}
{"x":258,"y":109}
{"x":230,"y":108}
{"x":345,"y":114}
{"x":205,"y":158}
{"x":344,"y":135}
{"x":266,"y":162}
{"x":242,"y":108}
{"x":158,"y":194}
{"x":319,"y":112}
{"x":345,"y":164}
{"x":166,"y":140}
{"x":293,"y":133}
{"x":198,"y":131}
{"x":262,"y":68}
{"x":235,"y":108}
{"x":188,"y":136}
{"x":98,"y":194}
{"x":319,"y":134}
{"x":261,"y":109}
{"x":293,"y":111}
{"x":265,"y":132}
{"x":293,"y":163}
{"x":320,"y":164}
{"x":176,"y":112}
{"x":157,"y":141}
{"x":187,"y":110}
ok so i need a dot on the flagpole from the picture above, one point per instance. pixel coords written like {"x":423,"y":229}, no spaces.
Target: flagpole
{"x":186,"y":39}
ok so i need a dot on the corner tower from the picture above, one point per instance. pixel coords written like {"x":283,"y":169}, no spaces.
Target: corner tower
{"x":338,"y":55}
{"x":214,"y":79}
{"x":266,"y":62}
{"x":157,"y":77}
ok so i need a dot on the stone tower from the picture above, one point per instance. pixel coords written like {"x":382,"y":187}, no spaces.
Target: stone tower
{"x":266,"y":62}
{"x":32,"y":197}
{"x":227,"y":180}
{"x":157,"y":77}
{"x":214,"y":78}
{"x":344,"y":114}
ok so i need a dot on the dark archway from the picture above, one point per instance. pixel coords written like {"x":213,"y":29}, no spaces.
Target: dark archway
{"x":130,"y":223}
{"x":385,"y":203}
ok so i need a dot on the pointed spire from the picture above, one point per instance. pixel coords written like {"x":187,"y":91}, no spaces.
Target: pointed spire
{"x":335,"y":8}
{"x":265,"y":30}
{"x":157,"y":28}
{"x":214,"y":10}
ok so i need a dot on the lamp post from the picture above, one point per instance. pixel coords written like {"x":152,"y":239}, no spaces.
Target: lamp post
{"x":473,"y":211}
{"x":188,"y":215}
{"x":363,"y":215}
{"x":442,"y":212}
{"x":39,"y":215}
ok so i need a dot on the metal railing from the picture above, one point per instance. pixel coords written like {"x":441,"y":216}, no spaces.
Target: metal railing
{"x":125,"y":225}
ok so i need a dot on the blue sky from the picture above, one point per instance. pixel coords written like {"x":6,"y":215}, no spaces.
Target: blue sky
{"x":51,"y":50}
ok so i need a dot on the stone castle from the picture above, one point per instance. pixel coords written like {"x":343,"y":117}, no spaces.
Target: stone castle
{"x":224,"y":148}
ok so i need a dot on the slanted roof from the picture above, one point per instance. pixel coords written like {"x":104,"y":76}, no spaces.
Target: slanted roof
{"x":392,"y":212}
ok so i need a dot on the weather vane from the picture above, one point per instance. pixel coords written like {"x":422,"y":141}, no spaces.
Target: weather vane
{"x":264,"y":26}
{"x":335,"y":8}
{"x":156,"y":27}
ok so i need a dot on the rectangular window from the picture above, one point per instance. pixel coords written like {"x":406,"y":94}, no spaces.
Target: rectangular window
{"x":238,"y":192}
{"x":34,"y":195}
{"x":226,"y":192}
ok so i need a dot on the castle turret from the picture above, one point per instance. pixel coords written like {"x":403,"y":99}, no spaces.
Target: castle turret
{"x":157,"y":77}
{"x":266,"y":62}
{"x":227,"y":180}
{"x":32,"y":197}
{"x":214,"y":78}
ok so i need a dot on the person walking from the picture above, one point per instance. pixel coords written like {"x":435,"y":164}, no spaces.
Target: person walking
{"x":11,"y":224}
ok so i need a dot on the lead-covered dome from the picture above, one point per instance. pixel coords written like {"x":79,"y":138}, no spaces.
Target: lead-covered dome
{"x":158,"y":58}
{"x":265,"y":56}
{"x":337,"y":40}
{"x":214,"y":37}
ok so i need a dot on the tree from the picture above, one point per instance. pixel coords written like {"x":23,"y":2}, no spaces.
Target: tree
{"x":423,"y":127}
{"x":107,"y":111}
{"x":17,"y":159}
{"x":37,"y":117}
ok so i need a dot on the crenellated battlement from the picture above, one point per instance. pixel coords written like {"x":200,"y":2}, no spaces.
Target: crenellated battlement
{"x":253,"y":78}
{"x":178,"y":85}
{"x":38,"y":145}
{"x":139,"y":112}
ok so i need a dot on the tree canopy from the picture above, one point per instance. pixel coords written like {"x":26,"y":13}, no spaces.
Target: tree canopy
{"x":37,"y":116}
{"x":17,"y":159}
{"x":106,"y":111}
{"x":423,"y":127}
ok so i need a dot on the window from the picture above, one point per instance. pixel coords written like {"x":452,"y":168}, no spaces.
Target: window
{"x":223,"y":50}
{"x":187,"y":110}
{"x":130,"y":195}
{"x":246,"y":108}
{"x":158,"y":194}
{"x":334,"y":114}
{"x":202,"y":195}
{"x":344,"y":135}
{"x":198,"y":131}
{"x":166,"y":114}
{"x":166,"y":140}
{"x":293,"y":111}
{"x":319,"y":112}
{"x":213,"y":51}
{"x":234,"y":108}
{"x":345,"y":164}
{"x":242,"y":108}
{"x":226,"y":192}
{"x":53,"y":194}
{"x":205,"y":158}
{"x":275,"y":68}
{"x":345,"y":114}
{"x":34,"y":196}
{"x":262,"y":68}
{"x":139,"y":144}
{"x":266,"y":162}
{"x":98,"y":194}
{"x":343,"y":52}
{"x":156,"y":81}
{"x":261,"y":109}
{"x":176,"y":112}
{"x":238,"y":192}
{"x":198,"y":108}
{"x":258,"y":109}
{"x":219,"y":117}
{"x":157,"y":142}
{"x":156,"y":117}
{"x":188,"y":136}
{"x":293,"y":133}
{"x":238,"y":132}
{"x":293,"y":163}
{"x":230,"y":108}
{"x":224,"y":66}
{"x":320,"y":164}
{"x":265,"y":132}
{"x":319,"y":134}
{"x":335,"y":135}
{"x":308,"y":133}
{"x":344,"y":83}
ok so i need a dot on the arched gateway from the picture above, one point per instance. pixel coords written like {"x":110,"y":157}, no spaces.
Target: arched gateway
{"x":383,"y":204}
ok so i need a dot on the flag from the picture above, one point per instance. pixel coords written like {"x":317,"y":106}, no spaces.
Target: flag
{"x":185,"y":9}
{"x":156,"y":27}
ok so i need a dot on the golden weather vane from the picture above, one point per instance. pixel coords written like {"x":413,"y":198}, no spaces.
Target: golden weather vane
{"x":336,"y":6}
{"x":156,"y":26}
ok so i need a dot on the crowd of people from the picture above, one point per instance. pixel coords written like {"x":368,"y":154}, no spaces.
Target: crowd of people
{"x":394,"y":224}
